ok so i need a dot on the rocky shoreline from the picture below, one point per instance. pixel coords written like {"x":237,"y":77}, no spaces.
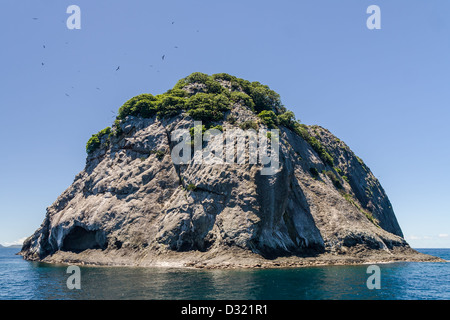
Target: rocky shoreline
{"x":233,"y":258}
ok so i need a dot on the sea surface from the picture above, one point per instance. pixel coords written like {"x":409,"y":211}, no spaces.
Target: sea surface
{"x":23,"y":280}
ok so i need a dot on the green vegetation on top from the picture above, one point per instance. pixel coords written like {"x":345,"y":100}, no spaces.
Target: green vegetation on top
{"x":212,"y":86}
{"x":262,"y":96}
{"x":207,"y":106}
{"x":242,"y":98}
{"x":287,"y":119}
{"x":269,"y":118}
{"x":143,"y":105}
{"x":95,"y":141}
{"x":209,"y":102}
{"x":254,"y":94}
{"x":146,"y":105}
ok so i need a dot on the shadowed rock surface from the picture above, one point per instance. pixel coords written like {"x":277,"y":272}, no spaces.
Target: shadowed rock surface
{"x":132,"y":205}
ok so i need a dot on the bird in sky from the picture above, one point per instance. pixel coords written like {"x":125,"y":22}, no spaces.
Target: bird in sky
{"x":173,"y":22}
{"x":67,"y":95}
{"x":118,"y":68}
{"x":176,"y":47}
{"x":163,"y":56}
{"x":35,"y":18}
{"x":43,"y":46}
{"x":42,"y":63}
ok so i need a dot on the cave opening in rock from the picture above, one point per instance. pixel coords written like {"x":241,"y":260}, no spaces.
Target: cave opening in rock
{"x":80,"y":239}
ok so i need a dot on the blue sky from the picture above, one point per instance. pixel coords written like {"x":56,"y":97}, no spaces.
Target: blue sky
{"x":385,"y":92}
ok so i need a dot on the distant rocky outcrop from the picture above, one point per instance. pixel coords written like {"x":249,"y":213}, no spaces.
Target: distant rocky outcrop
{"x":132,"y":205}
{"x":14,"y":246}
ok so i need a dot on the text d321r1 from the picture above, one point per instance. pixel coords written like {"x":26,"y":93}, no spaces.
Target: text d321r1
{"x":250,"y":309}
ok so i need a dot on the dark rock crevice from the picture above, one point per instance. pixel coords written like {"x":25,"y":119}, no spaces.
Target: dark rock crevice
{"x":79,"y":239}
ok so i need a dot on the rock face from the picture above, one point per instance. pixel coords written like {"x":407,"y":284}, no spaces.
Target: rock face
{"x":132,"y":204}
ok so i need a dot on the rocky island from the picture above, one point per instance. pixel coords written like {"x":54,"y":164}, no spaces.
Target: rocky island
{"x":133,"y":205}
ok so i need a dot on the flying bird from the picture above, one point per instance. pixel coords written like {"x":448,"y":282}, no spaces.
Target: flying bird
{"x":176,"y":47}
{"x":97,"y":88}
{"x":118,"y":68}
{"x":67,"y":95}
{"x":35,"y":18}
{"x":43,"y":46}
{"x":163,"y":56}
{"x":42,"y":63}
{"x":173,"y":22}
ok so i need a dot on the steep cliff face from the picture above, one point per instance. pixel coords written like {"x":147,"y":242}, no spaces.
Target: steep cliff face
{"x":132,"y":201}
{"x":365,"y":187}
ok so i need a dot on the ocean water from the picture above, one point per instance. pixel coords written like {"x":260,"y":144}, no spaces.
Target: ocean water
{"x":21,"y":280}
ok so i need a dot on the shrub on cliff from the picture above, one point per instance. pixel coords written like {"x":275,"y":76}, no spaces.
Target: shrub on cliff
{"x":246,"y":125}
{"x":336,"y":182}
{"x":321,"y":151}
{"x":269,"y":118}
{"x":207,"y":107}
{"x":95,"y":141}
{"x":142,"y":105}
{"x":92,"y":144}
{"x":117,"y":129}
{"x":242,"y":98}
{"x":287,"y":119}
{"x":169,"y":105}
{"x":212,"y":86}
{"x":224,"y":76}
{"x":191,"y":187}
{"x":264,"y":98}
{"x":146,"y":105}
